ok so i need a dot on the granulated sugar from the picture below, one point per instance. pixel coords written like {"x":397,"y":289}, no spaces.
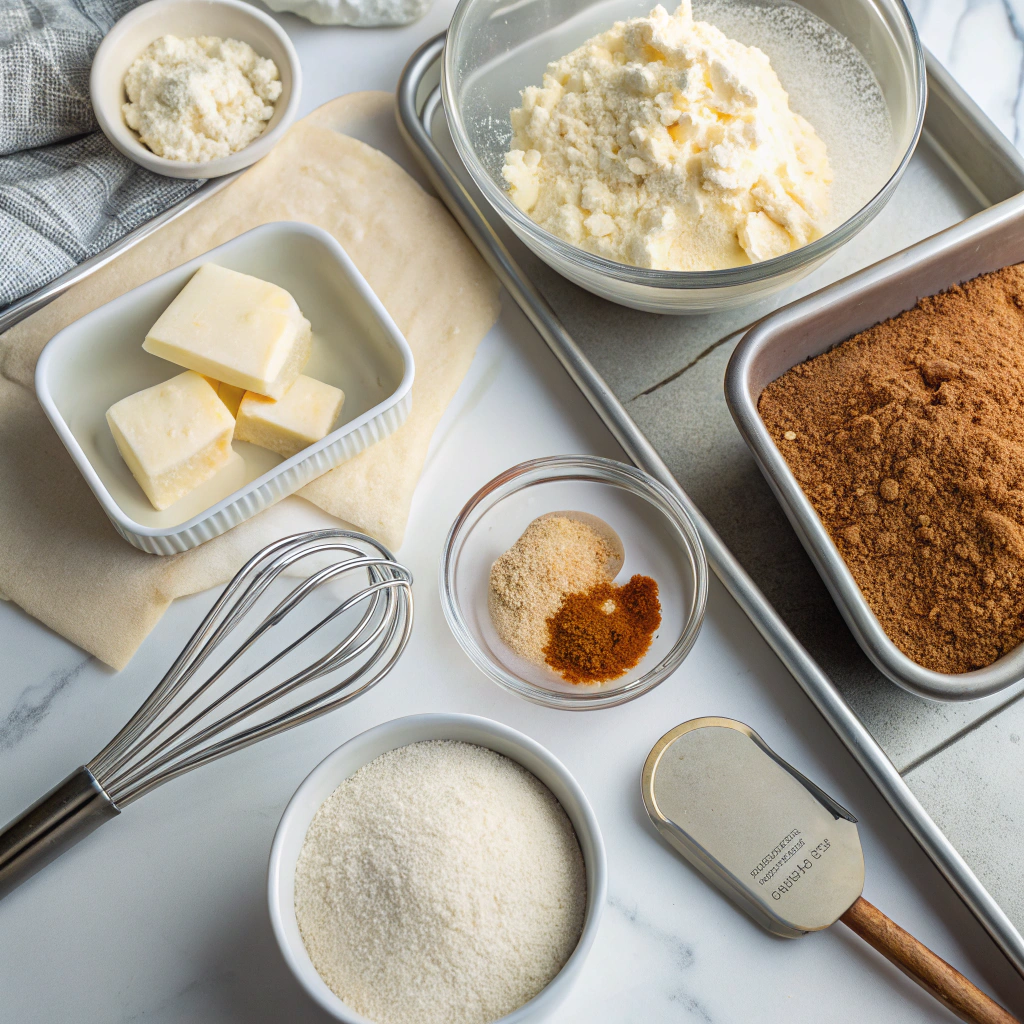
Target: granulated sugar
{"x":441,"y":883}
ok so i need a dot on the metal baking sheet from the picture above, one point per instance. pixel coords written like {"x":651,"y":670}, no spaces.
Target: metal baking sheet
{"x":24,"y":307}
{"x":816,"y":323}
{"x":665,"y":406}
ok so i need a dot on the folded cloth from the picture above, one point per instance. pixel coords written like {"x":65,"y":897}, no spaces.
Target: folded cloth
{"x":61,"y":559}
{"x":65,"y":192}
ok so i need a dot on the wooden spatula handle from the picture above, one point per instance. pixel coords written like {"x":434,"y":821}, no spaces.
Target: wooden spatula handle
{"x":917,"y":961}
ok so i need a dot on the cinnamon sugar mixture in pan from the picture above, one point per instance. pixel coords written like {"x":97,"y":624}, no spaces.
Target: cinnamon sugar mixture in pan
{"x":909,"y":441}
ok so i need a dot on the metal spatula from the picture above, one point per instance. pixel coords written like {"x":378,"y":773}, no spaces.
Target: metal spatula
{"x":782,"y":849}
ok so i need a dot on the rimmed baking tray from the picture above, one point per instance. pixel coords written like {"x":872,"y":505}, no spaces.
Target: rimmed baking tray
{"x":955,"y":129}
{"x":813,"y":325}
{"x":18,"y":310}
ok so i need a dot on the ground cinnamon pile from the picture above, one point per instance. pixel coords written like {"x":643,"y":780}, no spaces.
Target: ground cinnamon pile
{"x":601,"y":634}
{"x":909,"y":441}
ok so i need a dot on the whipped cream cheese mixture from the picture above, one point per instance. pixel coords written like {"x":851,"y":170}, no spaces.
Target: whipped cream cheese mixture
{"x":201,"y":98}
{"x":662,"y":143}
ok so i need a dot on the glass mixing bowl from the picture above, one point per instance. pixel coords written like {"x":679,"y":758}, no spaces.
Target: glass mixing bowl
{"x":495,"y":48}
{"x":659,"y":540}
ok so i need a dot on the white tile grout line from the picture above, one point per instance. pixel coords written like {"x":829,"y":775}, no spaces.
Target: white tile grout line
{"x":949,"y":741}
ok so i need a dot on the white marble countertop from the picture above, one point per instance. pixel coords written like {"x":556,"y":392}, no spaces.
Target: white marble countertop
{"x":162,"y":915}
{"x":981,"y":42}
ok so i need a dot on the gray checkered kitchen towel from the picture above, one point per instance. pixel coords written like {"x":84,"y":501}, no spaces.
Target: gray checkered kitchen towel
{"x":65,"y":192}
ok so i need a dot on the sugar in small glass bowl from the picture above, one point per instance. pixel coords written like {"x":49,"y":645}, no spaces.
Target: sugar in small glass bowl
{"x":660,"y":541}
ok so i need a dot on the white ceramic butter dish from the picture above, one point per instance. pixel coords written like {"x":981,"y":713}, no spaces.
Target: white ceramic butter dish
{"x":99,"y":359}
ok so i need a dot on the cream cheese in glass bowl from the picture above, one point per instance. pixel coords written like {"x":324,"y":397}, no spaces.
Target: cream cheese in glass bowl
{"x":854,"y":69}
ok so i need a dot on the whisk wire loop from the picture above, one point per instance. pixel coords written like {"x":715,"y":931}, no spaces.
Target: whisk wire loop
{"x":166,"y":736}
{"x":333,"y":660}
{"x":269,"y":622}
{"x":255,"y":576}
{"x":313,"y":708}
{"x":191,"y":717}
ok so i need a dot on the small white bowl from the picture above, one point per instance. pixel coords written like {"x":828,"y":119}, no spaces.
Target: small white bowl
{"x":348,"y":759}
{"x":227,"y":19}
{"x":99,"y":359}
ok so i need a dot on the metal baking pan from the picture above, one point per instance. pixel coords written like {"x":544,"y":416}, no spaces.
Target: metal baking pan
{"x":810,"y":326}
{"x":953,"y":128}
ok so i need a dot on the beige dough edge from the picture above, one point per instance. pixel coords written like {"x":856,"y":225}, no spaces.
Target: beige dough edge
{"x":62,"y":561}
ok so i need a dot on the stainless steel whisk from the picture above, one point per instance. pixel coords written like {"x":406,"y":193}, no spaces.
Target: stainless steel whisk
{"x":176,"y":728}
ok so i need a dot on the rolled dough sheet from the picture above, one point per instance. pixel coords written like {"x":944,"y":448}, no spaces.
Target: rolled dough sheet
{"x":62,"y":561}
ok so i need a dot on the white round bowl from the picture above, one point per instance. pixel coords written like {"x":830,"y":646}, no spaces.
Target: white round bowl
{"x":360,"y":750}
{"x":227,"y":19}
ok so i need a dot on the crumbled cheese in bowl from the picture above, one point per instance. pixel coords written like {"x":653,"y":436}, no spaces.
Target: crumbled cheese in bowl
{"x":663,"y":143}
{"x":200,"y":99}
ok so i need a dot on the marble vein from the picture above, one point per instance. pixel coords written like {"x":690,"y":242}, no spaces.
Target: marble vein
{"x":982,"y":43}
{"x":34,"y":704}
{"x":692,"y":1006}
{"x":681,"y":951}
{"x":171,"y":1007}
{"x":1013,"y":16}
{"x":679,"y":954}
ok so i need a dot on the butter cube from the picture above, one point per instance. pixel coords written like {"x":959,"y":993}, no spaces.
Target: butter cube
{"x":231,"y":396}
{"x":173,"y":436}
{"x":227,"y":393}
{"x":235,"y":328}
{"x":306,"y":413}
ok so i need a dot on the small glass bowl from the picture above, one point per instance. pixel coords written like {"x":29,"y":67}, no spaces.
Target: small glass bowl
{"x":495,"y":47}
{"x":660,"y":541}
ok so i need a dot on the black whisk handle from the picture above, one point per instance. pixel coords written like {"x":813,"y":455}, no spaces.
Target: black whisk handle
{"x":53,"y":824}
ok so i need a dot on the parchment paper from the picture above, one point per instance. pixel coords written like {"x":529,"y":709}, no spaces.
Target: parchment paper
{"x":60,"y":558}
